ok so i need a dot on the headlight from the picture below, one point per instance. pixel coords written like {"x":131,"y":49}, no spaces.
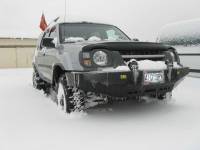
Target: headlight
{"x":100,"y":58}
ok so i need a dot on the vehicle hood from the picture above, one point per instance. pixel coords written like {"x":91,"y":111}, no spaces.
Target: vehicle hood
{"x":125,"y":46}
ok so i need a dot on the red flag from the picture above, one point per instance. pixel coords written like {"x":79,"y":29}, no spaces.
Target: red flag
{"x":43,"y":23}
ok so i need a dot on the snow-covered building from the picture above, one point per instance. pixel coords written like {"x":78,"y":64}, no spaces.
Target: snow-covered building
{"x":185,"y":37}
{"x":16,"y":52}
{"x":181,"y":33}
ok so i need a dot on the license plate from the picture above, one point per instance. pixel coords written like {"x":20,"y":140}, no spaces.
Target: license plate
{"x":153,"y":77}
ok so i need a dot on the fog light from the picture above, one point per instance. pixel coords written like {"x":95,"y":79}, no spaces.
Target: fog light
{"x":123,"y":77}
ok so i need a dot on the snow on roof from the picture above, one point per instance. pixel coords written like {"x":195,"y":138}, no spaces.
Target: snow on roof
{"x":76,"y":19}
{"x":182,"y":31}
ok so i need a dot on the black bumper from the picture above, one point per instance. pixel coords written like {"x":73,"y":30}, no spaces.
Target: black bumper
{"x":121,"y":84}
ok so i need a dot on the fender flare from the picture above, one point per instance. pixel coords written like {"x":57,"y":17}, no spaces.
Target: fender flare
{"x":55,"y":68}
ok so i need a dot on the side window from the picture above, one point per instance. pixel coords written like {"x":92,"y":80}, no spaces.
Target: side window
{"x":45,"y":35}
{"x":48,"y":36}
{"x":39,"y":42}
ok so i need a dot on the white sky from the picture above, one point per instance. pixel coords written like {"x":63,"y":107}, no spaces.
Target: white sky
{"x":138,"y":18}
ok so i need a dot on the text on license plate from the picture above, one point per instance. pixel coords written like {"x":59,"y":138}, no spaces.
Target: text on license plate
{"x":153,"y":77}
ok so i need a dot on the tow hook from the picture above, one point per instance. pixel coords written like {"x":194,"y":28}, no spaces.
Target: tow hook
{"x":133,"y":66}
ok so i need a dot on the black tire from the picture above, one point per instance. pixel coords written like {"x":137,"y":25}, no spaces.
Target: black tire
{"x":64,"y":95}
{"x":36,"y":80}
{"x":40,"y":84}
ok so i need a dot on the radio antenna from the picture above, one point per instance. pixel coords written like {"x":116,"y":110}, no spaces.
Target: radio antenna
{"x":65,"y":10}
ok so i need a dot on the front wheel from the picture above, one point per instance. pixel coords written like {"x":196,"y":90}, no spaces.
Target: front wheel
{"x":69,"y":99}
{"x":64,"y":97}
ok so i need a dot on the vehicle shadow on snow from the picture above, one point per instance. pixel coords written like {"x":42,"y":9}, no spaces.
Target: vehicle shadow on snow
{"x":132,"y":108}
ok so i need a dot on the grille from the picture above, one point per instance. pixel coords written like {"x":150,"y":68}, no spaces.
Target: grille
{"x":142,"y":54}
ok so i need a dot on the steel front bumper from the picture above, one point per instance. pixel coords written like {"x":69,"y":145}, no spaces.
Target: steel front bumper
{"x":121,"y":84}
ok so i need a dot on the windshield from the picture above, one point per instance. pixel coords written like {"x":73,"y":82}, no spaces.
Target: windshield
{"x":78,"y":32}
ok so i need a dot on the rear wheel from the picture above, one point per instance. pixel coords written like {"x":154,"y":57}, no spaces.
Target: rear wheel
{"x":40,"y":84}
{"x":37,"y":81}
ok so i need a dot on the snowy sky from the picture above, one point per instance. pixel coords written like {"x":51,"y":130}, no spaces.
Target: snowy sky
{"x":138,"y":18}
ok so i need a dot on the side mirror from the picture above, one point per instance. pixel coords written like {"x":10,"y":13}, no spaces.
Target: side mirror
{"x":48,"y":42}
{"x":135,"y":39}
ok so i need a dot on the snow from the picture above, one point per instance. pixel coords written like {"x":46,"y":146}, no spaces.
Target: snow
{"x":72,"y":18}
{"x":151,"y":65}
{"x":144,"y":65}
{"x":94,"y":38}
{"x":182,"y":31}
{"x":184,"y":27}
{"x":122,"y":68}
{"x":30,"y":120}
{"x":74,"y":39}
{"x":80,"y":39}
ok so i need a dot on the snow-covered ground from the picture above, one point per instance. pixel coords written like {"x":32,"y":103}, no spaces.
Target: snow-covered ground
{"x":31,"y":121}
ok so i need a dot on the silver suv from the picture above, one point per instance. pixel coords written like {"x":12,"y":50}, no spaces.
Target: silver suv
{"x":87,"y":64}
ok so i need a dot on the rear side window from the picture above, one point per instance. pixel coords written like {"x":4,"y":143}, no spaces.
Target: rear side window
{"x":45,"y":35}
{"x":49,"y":33}
{"x":39,"y":41}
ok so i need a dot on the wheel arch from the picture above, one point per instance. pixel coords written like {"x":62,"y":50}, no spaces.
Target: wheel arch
{"x":58,"y":70}
{"x":35,"y":68}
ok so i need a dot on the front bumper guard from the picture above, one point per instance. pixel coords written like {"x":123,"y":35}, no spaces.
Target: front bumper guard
{"x":124,"y":83}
